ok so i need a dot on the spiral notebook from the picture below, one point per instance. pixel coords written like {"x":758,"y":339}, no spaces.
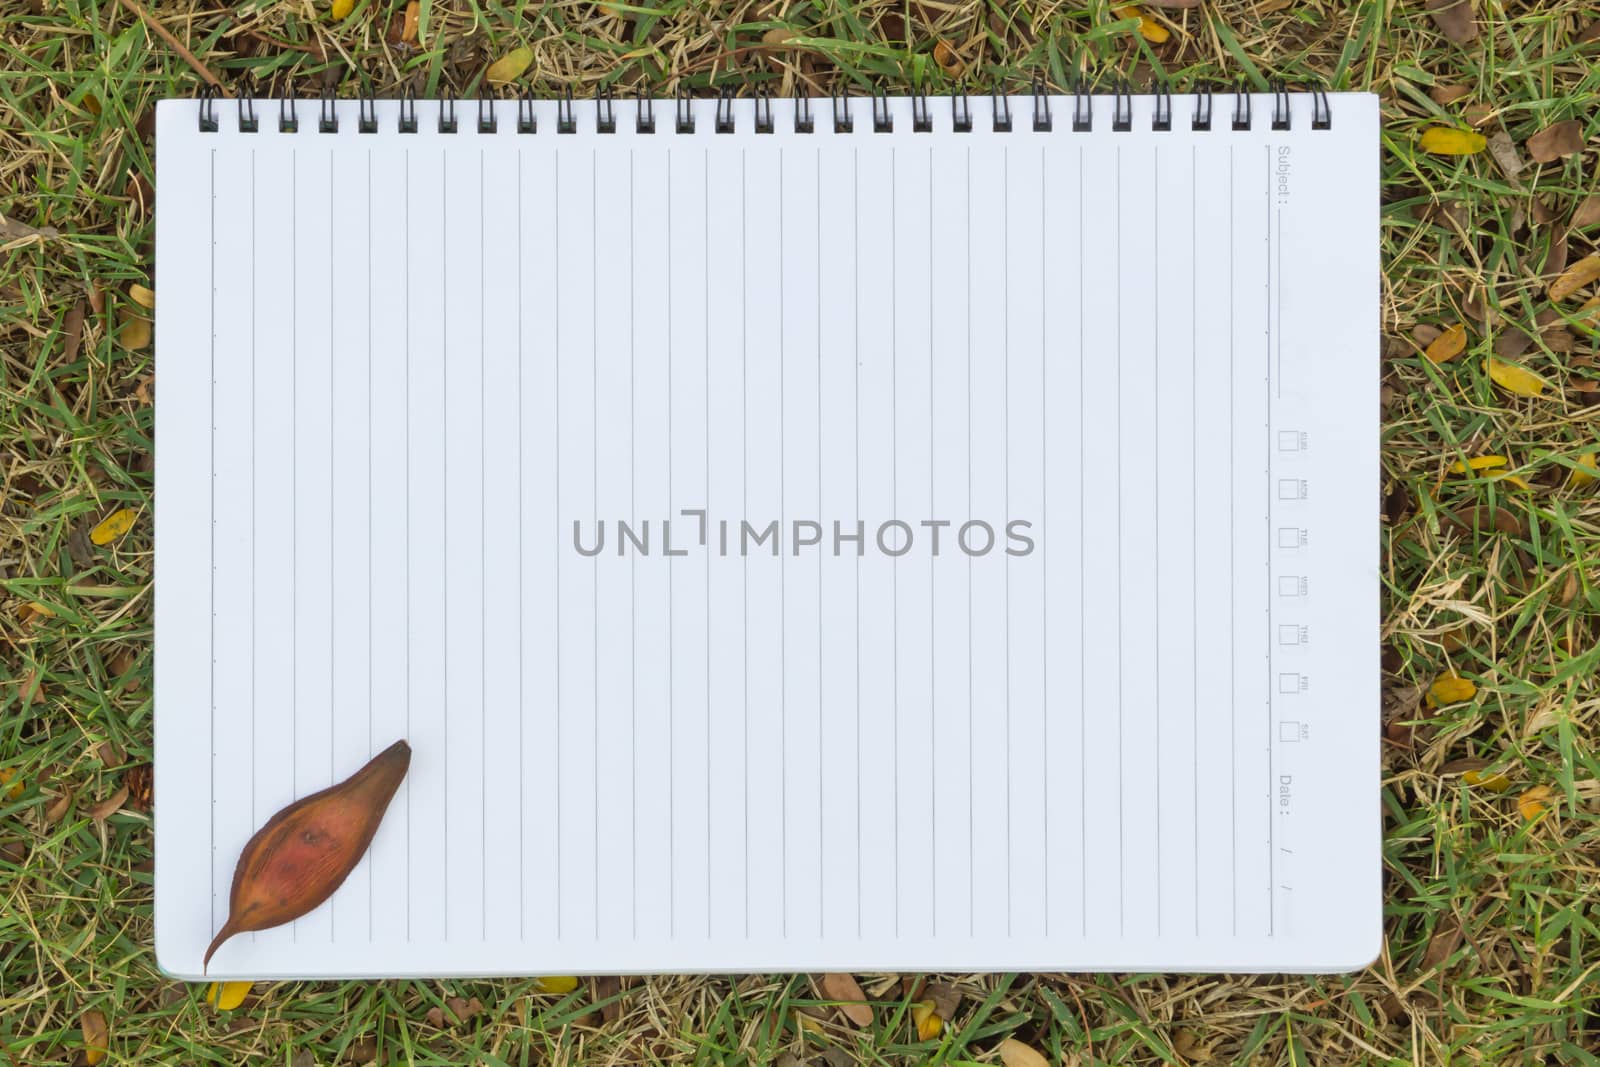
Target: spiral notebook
{"x":836,"y":534}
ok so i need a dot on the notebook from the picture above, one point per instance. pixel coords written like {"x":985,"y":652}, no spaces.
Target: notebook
{"x":824,"y":534}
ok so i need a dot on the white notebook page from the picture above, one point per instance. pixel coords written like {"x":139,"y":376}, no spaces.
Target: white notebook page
{"x":1123,"y":716}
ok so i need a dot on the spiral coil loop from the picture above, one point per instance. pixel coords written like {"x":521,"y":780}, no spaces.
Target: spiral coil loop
{"x":765,"y":112}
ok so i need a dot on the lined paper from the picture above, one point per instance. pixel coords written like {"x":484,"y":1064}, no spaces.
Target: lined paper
{"x":609,"y":470}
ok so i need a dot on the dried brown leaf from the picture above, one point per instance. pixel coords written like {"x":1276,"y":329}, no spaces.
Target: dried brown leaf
{"x":948,"y":58}
{"x":1445,"y":940}
{"x":110,"y":805}
{"x":852,"y":1001}
{"x":1587,"y":213}
{"x":1454,"y":19}
{"x":1014,"y":1053}
{"x":140,"y":781}
{"x":12,"y":230}
{"x":1556,"y":141}
{"x":1576,"y":277}
{"x":72,"y":332}
{"x":1173,"y":3}
{"x":1448,"y":345}
{"x":96,"y":1036}
{"x":1446,"y":93}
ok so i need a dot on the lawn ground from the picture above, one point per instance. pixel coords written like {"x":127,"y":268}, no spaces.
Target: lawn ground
{"x":1492,"y":575}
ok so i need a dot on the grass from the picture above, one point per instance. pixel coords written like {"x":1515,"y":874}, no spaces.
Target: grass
{"x":1492,"y":954}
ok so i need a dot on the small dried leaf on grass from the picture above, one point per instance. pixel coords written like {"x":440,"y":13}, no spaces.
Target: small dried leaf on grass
{"x":1534,"y":802}
{"x":226,"y":996}
{"x":847,"y":991}
{"x":1585,"y":472}
{"x":1446,"y":938}
{"x":949,"y":60}
{"x":556,"y":983}
{"x":342,"y":8}
{"x":135,"y":331}
{"x":1575,"y":277}
{"x":1174,"y":3}
{"x":1150,"y":29}
{"x":72,"y":332}
{"x":110,"y":805}
{"x":1454,"y":19}
{"x":1445,"y":93}
{"x":1494,"y":782}
{"x":1449,"y":689}
{"x":1014,"y":1053}
{"x":1477,"y":463}
{"x":1448,"y":141}
{"x":96,"y":1036}
{"x":510,"y":67}
{"x":7,"y":789}
{"x":1515,"y":378}
{"x":925,"y":1017}
{"x":1587,"y":213}
{"x":142,"y":295}
{"x":1556,"y":141}
{"x":1448,"y":345}
{"x":113,"y":526}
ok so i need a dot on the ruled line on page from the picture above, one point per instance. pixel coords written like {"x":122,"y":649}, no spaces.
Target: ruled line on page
{"x":1233,"y":714}
{"x":211,"y":579}
{"x":1155,"y":482}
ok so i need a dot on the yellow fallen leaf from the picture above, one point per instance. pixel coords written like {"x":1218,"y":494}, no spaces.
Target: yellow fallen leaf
{"x":1448,"y":141}
{"x":1448,"y":345}
{"x":558,"y":983}
{"x":1515,"y":378}
{"x":142,"y":296}
{"x":1014,"y":1053}
{"x":225,"y":996}
{"x":1581,"y":477}
{"x":1575,"y":277}
{"x":1149,"y":28}
{"x":1495,"y":783}
{"x":925,"y":1016}
{"x":135,"y":331}
{"x":113,"y":526}
{"x":96,"y":1036}
{"x":1532,"y":802}
{"x":509,"y":67}
{"x":6,"y":774}
{"x":948,"y":58}
{"x":1477,"y":463}
{"x":1449,"y":689}
{"x":342,"y":8}
{"x":408,"y":28}
{"x":1506,"y":476}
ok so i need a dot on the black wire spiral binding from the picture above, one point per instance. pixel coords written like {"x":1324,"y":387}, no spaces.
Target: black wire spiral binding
{"x":208,"y":108}
{"x":960,"y":110}
{"x":566,"y":122}
{"x":763,"y":110}
{"x":1002,"y":110}
{"x":644,"y":112}
{"x":527,"y":118}
{"x":1121,"y":107}
{"x":246,"y":102}
{"x":1280,"y":105}
{"x":882,"y":120}
{"x":1041,"y":107}
{"x":1161,"y":121}
{"x":1082,"y":106}
{"x":327,"y":114}
{"x":1202,"y":107}
{"x":487,"y":123}
{"x":685,"y":109}
{"x":726,"y":119}
{"x":408,"y":111}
